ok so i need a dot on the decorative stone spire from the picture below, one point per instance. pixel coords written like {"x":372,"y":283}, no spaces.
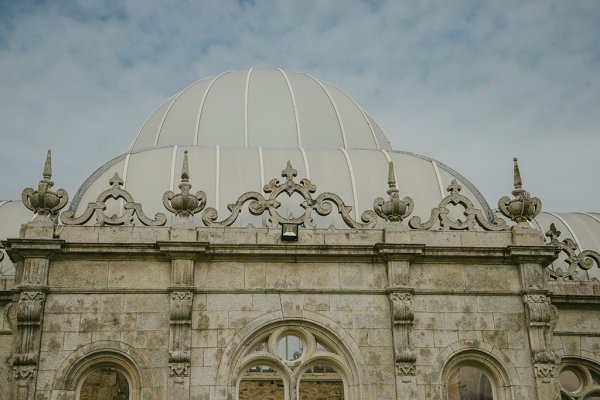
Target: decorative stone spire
{"x":184,"y":204}
{"x":523,"y":207}
{"x":394,"y":209}
{"x":43,"y":201}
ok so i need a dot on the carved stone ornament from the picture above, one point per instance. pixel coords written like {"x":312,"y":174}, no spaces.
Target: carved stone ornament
{"x":393,"y":209}
{"x":542,"y":318}
{"x":130,"y":209}
{"x":473,"y":215}
{"x":44,"y":201}
{"x":575,"y":259}
{"x":403,"y":320}
{"x":179,"y":369}
{"x":184,"y":204}
{"x":523,"y":207}
{"x":545,"y":370}
{"x":23,"y":372}
{"x":322,"y":205}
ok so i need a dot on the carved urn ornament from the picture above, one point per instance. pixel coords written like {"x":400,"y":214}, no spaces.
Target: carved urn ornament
{"x":523,"y":207}
{"x":184,"y":204}
{"x":45,"y":202}
{"x":393,"y":209}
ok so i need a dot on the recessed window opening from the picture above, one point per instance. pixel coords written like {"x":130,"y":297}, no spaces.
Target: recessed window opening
{"x":105,"y":383}
{"x":468,"y":382}
{"x":579,"y":380}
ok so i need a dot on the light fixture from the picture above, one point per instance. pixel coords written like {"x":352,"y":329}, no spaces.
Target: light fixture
{"x":289,"y":232}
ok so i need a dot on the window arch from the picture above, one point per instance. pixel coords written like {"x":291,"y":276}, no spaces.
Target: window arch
{"x":579,"y":379}
{"x":475,"y":375}
{"x":292,"y":361}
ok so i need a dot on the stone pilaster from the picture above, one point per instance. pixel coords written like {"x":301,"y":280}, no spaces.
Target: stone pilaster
{"x":400,"y":292}
{"x":541,"y":317}
{"x":33,"y":260}
{"x":181,"y":297}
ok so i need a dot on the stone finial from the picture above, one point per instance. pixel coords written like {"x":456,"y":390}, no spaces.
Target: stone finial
{"x":184,"y":204}
{"x":523,"y":207}
{"x":393,"y":209}
{"x":43,"y":201}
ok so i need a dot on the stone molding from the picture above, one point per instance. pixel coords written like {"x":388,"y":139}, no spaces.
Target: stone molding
{"x":402,"y":323}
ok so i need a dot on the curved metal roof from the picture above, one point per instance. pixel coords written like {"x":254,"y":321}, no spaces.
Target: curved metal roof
{"x":269,"y":108}
{"x":224,"y":173}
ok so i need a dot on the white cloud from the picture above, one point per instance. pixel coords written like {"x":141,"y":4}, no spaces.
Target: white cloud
{"x":469,"y":83}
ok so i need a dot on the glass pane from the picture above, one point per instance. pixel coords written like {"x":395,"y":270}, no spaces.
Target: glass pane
{"x":469,"y":383}
{"x":290,"y":347}
{"x":261,"y":382}
{"x":321,"y":382}
{"x":569,"y":380}
{"x":105,"y":384}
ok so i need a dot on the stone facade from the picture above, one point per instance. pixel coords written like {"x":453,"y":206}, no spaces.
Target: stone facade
{"x":397,"y":306}
{"x":186,"y":312}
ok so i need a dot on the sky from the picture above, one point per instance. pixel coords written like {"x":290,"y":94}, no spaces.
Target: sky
{"x":469,"y":83}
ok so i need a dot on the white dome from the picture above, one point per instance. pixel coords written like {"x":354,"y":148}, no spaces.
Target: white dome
{"x":269,"y":108}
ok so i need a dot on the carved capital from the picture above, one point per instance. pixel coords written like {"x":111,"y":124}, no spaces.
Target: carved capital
{"x":406,"y":369}
{"x":401,"y":303}
{"x":30,"y":307}
{"x":179,"y":369}
{"x":23,"y":372}
{"x":545,"y":370}
{"x":180,"y":309}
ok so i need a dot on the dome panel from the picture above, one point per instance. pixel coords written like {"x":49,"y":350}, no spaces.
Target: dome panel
{"x":353,"y":120}
{"x":179,"y":121}
{"x":270,"y":111}
{"x":223,"y":111}
{"x":152,"y":127}
{"x":317,"y":118}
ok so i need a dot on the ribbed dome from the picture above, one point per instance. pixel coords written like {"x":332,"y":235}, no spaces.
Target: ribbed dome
{"x":269,"y":108}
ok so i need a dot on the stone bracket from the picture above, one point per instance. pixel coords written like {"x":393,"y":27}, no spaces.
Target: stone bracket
{"x":402,"y":325}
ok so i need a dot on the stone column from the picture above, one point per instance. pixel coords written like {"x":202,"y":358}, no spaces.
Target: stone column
{"x":181,"y":296}
{"x":402,"y":316}
{"x":32,"y":256}
{"x":541,"y":317}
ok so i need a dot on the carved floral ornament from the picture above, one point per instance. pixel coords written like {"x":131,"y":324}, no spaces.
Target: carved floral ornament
{"x":186,"y":204}
{"x":574,"y":257}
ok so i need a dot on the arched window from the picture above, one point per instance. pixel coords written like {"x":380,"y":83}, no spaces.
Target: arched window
{"x":288,"y":361}
{"x":469,"y":382}
{"x":579,"y":380}
{"x":104,"y":383}
{"x":475,"y":375}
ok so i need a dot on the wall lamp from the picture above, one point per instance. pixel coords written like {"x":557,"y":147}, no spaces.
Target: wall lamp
{"x":289,"y":232}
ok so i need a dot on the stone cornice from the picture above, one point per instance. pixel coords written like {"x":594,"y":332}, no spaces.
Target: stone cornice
{"x":18,"y":249}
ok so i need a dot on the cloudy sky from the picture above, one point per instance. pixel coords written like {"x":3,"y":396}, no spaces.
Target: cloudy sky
{"x":469,"y":83}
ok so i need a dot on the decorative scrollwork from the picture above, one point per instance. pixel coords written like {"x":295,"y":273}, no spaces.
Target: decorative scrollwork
{"x":473,"y":215}
{"x":44,"y":201}
{"x":258,"y":204}
{"x":394,"y":209}
{"x":574,"y":258}
{"x":184,"y":204}
{"x":130,"y":209}
{"x":523,"y":207}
